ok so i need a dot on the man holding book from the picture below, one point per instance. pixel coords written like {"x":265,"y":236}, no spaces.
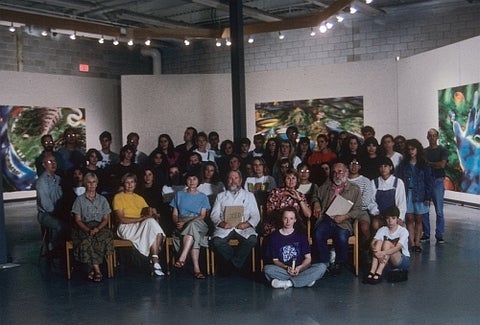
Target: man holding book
{"x":235,"y":215}
{"x":336,"y":204}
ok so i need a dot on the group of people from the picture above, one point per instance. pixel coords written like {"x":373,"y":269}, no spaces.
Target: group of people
{"x":205,"y":189}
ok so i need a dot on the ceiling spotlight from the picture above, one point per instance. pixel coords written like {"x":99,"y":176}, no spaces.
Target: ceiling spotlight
{"x":148,"y":42}
{"x":115,"y":42}
{"x":73,"y":36}
{"x":218,"y":43}
{"x":228,"y":42}
{"x":329,"y":25}
{"x":250,"y":40}
{"x":312,"y":32}
{"x":340,"y":18}
{"x":353,"y":10}
{"x":322,"y":28}
{"x":11,"y":28}
{"x":368,"y":1}
{"x":44,"y":32}
{"x":130,"y":42}
{"x":397,"y":58}
{"x":101,"y":40}
{"x":280,"y":35}
{"x":186,"y":42}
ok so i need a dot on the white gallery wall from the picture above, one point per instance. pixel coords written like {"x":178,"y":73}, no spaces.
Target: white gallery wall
{"x":400,"y":97}
{"x":99,"y":97}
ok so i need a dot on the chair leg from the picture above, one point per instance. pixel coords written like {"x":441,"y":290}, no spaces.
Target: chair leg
{"x":253,"y":260}
{"x":67,"y":252}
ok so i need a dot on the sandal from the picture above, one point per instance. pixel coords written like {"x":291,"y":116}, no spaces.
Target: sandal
{"x":368,"y":277}
{"x":91,"y":275}
{"x":97,"y":277}
{"x":199,"y":275}
{"x":179,"y":264}
{"x":376,"y":279}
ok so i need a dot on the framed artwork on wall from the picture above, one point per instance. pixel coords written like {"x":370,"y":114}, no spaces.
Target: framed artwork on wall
{"x":21,"y":128}
{"x":459,"y":127}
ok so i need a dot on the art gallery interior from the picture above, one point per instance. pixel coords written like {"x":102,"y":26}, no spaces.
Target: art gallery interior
{"x":400,"y":96}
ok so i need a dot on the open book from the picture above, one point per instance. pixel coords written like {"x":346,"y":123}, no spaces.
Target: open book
{"x":339,"y":206}
{"x":233,"y":215}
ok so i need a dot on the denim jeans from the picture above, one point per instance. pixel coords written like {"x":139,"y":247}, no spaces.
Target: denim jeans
{"x":438,"y":193}
{"x":327,"y":228}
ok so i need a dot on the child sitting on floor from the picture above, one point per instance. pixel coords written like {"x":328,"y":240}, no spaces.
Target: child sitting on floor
{"x":389,"y":248}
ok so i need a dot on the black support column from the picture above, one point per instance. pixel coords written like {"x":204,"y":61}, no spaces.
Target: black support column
{"x":238,"y":70}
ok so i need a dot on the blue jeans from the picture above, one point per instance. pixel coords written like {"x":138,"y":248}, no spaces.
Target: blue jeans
{"x":327,"y":228}
{"x":438,"y":193}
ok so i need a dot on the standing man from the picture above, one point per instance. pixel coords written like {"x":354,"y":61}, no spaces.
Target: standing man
{"x":234,"y":197}
{"x":49,"y":199}
{"x":108,"y":157}
{"x":437,"y":157}
{"x":48,"y":144}
{"x":141,"y":158}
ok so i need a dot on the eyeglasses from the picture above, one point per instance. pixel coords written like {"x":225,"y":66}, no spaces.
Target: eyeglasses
{"x":47,"y":142}
{"x":305,"y":171}
{"x":354,"y":163}
{"x":71,"y":135}
{"x":50,"y":161}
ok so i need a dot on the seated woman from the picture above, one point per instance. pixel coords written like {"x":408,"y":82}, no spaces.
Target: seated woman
{"x":137,"y":223}
{"x":189,"y":211}
{"x":389,"y":248}
{"x":305,"y":185}
{"x":290,"y":253}
{"x":283,"y":197}
{"x":211,"y":184}
{"x":259,"y":184}
{"x":91,"y":236}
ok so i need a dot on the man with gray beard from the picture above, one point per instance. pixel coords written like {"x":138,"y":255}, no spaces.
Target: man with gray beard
{"x":337,"y":227}
{"x":244,"y":231}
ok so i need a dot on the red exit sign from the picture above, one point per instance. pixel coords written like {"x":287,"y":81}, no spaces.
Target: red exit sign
{"x":83,"y":67}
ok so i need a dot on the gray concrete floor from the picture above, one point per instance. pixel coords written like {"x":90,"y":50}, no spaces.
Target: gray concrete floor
{"x":443,"y":288}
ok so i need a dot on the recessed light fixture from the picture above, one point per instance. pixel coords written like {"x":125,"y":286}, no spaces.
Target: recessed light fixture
{"x":11,"y":28}
{"x":101,"y":40}
{"x":281,"y":36}
{"x":329,"y":25}
{"x":115,"y":42}
{"x":322,"y":28}
{"x":186,"y":42}
{"x":130,"y":42}
{"x":353,"y":10}
{"x":250,"y":40}
{"x":148,"y":42}
{"x":339,"y":18}
{"x":44,"y":32}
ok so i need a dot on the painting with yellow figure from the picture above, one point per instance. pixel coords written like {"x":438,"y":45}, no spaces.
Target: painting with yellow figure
{"x":459,"y":127}
{"x":21,"y":128}
{"x":311,"y":116}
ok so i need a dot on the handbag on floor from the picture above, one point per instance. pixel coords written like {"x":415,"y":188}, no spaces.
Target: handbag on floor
{"x":397,"y":275}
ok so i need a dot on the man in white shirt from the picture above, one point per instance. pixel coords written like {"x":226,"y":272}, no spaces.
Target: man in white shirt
{"x":244,"y":231}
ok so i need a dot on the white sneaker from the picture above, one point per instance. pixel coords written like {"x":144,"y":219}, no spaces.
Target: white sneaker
{"x":281,"y":284}
{"x":311,"y":284}
{"x":157,"y":269}
{"x":332,"y":256}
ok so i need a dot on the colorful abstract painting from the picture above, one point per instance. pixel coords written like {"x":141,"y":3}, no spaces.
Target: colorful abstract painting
{"x":311,"y":116}
{"x":21,"y":128}
{"x":459,"y":123}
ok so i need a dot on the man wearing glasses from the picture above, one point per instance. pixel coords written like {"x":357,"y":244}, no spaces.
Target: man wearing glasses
{"x":337,"y":226}
{"x":48,"y":145}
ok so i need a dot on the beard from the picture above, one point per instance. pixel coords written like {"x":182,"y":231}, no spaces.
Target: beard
{"x":234,"y":188}
{"x":339,"y":181}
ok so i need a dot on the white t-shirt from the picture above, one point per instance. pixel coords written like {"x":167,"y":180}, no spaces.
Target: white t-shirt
{"x":400,"y":233}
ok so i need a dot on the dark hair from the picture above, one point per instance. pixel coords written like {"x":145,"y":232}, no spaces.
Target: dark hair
{"x":105,"y":134}
{"x":224,"y":144}
{"x":132,"y":134}
{"x":421,"y":159}
{"x":370,"y":141}
{"x":367,"y":128}
{"x":384,"y":160}
{"x":202,"y":134}
{"x":392,"y":211}
{"x":213,"y":134}
{"x":244,"y":141}
{"x":386,"y":136}
{"x":215,"y":177}
{"x":95,"y":151}
{"x":124,"y":149}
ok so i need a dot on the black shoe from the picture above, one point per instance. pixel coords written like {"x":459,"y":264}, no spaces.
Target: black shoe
{"x":425,"y":238}
{"x":440,"y":240}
